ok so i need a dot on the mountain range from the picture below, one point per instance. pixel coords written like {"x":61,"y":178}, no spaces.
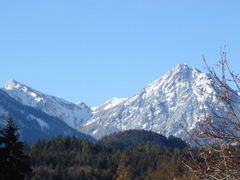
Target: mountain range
{"x":176,"y":99}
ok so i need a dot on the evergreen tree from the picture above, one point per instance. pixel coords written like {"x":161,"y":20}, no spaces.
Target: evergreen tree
{"x":13,"y":163}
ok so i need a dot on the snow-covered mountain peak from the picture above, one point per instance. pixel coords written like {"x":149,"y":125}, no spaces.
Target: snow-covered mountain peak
{"x":175,"y":98}
{"x":23,"y":93}
{"x":182,"y":67}
{"x":13,"y":84}
{"x":180,"y":77}
{"x":33,"y":124}
{"x":70,"y":113}
{"x":182,"y":71}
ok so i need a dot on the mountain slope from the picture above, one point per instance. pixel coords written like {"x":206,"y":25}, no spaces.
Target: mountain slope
{"x":34,"y":124}
{"x":71,"y":114}
{"x":174,"y":100}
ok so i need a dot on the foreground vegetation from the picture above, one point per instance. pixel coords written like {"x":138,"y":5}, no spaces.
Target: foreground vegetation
{"x":70,"y":158}
{"x":133,"y":154}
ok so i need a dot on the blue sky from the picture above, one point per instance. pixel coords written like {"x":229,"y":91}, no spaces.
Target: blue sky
{"x":92,"y":50}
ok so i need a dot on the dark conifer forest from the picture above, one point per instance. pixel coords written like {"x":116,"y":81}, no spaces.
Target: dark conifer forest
{"x":70,"y":158}
{"x":133,"y":154}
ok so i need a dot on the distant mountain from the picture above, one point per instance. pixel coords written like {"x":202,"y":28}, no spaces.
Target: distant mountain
{"x":135,"y":138}
{"x":34,"y":124}
{"x":176,"y":99}
{"x":72,"y":114}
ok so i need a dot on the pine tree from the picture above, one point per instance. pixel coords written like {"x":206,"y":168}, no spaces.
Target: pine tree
{"x":13,"y":163}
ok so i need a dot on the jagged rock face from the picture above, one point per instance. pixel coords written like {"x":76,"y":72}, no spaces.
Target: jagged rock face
{"x":164,"y":106}
{"x":72,"y":114}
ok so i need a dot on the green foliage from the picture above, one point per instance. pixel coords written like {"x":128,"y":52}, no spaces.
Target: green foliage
{"x":128,"y":155}
{"x":70,"y":158}
{"x":13,"y":163}
{"x":133,"y":138}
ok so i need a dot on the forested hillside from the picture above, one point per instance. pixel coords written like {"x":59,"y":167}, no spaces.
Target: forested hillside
{"x":70,"y":158}
{"x":134,"y":138}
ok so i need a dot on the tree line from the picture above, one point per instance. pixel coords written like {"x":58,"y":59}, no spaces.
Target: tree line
{"x":120,"y":156}
{"x":71,"y":158}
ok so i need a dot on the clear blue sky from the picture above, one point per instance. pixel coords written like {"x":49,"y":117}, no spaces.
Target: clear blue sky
{"x":92,"y":50}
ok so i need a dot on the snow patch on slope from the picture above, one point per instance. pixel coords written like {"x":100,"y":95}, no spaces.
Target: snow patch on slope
{"x":108,"y":104}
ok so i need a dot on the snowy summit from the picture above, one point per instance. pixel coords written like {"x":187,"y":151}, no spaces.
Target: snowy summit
{"x":174,"y":100}
{"x":70,"y":113}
